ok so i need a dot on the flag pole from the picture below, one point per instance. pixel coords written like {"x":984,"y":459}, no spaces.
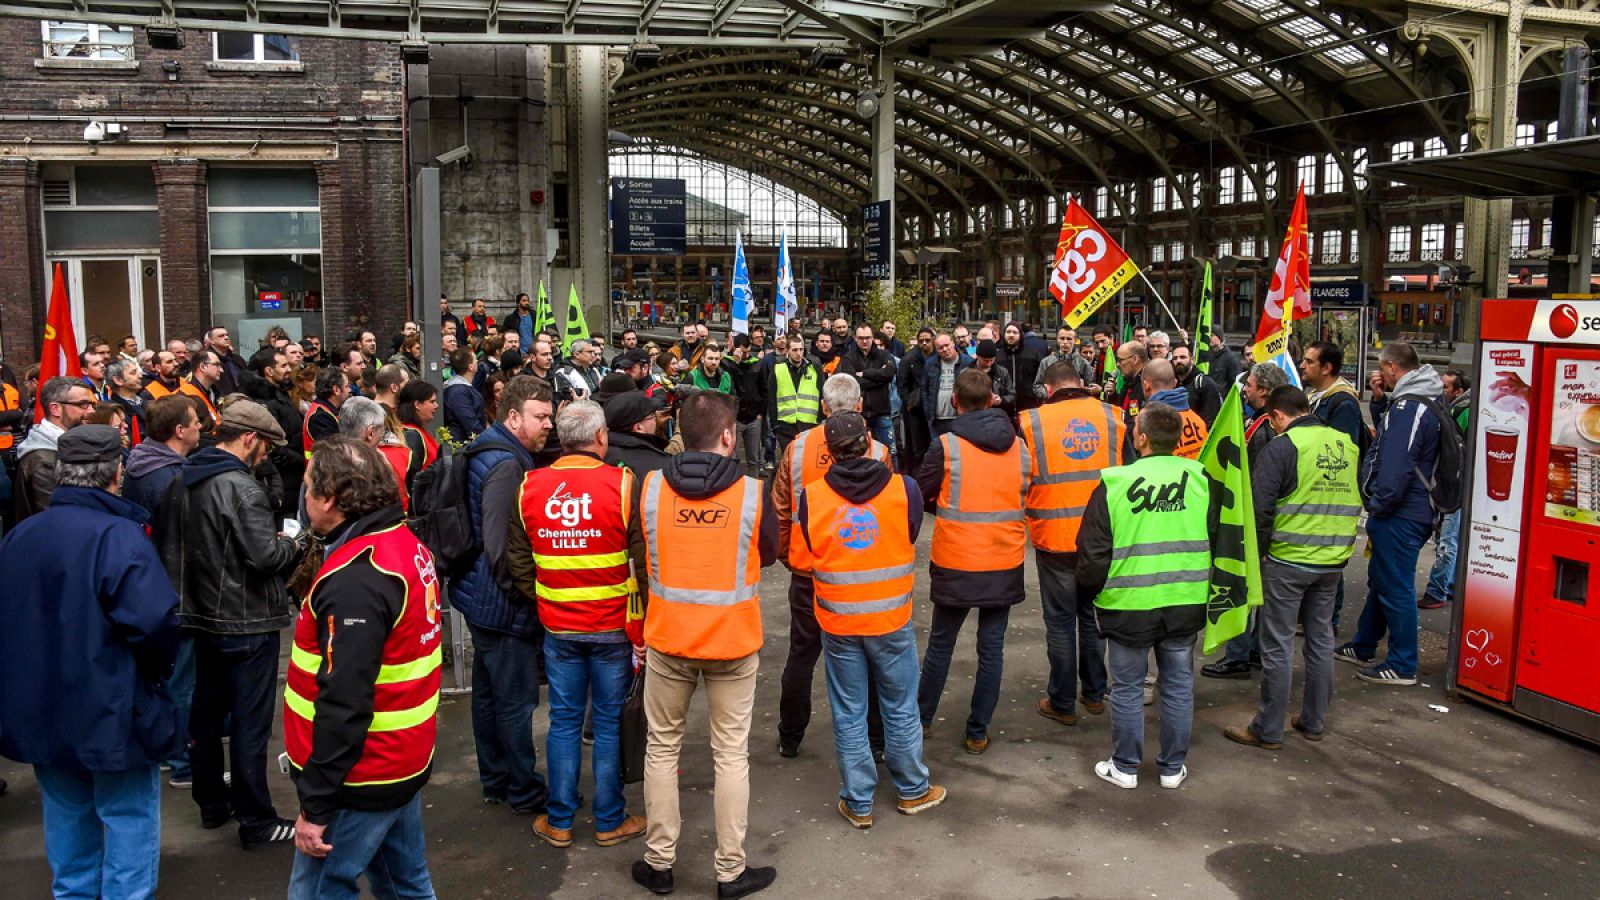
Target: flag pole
{"x":1175,"y":323}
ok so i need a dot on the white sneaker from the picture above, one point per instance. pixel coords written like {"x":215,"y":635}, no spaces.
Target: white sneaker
{"x":1108,"y":770}
{"x":1171,"y":782}
{"x":1149,"y":694}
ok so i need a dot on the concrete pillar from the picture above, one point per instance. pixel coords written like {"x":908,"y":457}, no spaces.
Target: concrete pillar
{"x":586,"y":101}
{"x":883,"y":176}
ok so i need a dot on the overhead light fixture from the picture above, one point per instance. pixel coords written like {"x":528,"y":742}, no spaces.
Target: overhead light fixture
{"x":414,"y":52}
{"x":644,"y":55}
{"x":828,"y":59}
{"x":164,"y":36}
{"x":867,"y":102}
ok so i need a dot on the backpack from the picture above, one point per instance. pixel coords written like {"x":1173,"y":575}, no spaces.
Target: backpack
{"x":1446,"y":484}
{"x":439,"y":516}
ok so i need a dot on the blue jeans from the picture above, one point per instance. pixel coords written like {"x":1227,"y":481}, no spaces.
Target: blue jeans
{"x":883,"y":432}
{"x":890,"y":662}
{"x":387,"y":846}
{"x":1174,"y":680}
{"x":947,"y":622}
{"x":577,"y":670}
{"x":505,"y":692}
{"x":1392,"y":592}
{"x":1442,"y":580}
{"x":1247,"y":643}
{"x":1072,"y":640}
{"x":182,"y":687}
{"x":102,"y":831}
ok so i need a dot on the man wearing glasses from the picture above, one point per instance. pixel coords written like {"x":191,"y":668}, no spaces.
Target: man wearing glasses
{"x":204,"y":384}
{"x":67,"y":402}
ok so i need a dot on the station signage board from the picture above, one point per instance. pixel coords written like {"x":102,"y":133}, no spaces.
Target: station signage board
{"x":877,"y":240}
{"x":649,"y":216}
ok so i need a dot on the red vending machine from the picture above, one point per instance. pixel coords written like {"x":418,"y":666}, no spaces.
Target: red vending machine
{"x":1526,"y":633}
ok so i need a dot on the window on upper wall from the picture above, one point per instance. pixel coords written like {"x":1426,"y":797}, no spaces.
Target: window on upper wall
{"x":1225,"y":247}
{"x":1332,"y":175}
{"x":1158,"y":195}
{"x":1355,"y":246}
{"x":1359,"y":164}
{"x":1521,"y":231}
{"x":1399,"y":243}
{"x":1460,"y":240}
{"x":1228,"y":187}
{"x":1433,"y":147}
{"x":1551,"y":131}
{"x":1176,"y":252}
{"x":1402,"y":151}
{"x":1527,"y":133}
{"x":83,"y":40}
{"x":1332,"y":247}
{"x":1247,"y":187}
{"x":1544,"y":232}
{"x":235,"y":46}
{"x":1433,"y":241}
{"x":1010,"y":217}
{"x":1102,"y":202}
{"x":1305,"y":172}
{"x":1158,"y":253}
{"x":1247,"y":247}
{"x":1005,"y":267}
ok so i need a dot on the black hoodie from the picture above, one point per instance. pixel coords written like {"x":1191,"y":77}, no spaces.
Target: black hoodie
{"x":860,"y":479}
{"x":990,"y":431}
{"x":697,"y":475}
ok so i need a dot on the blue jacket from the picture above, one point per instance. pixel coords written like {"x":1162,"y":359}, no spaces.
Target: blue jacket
{"x":463,"y":409}
{"x":1407,"y":443}
{"x":91,"y":630}
{"x":479,"y":594}
{"x":930,"y":383}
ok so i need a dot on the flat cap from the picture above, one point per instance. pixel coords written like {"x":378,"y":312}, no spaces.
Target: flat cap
{"x":89,"y":444}
{"x":248,"y":415}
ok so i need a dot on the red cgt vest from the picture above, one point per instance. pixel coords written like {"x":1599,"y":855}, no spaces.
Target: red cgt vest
{"x":400,"y":738}
{"x":575,"y":512}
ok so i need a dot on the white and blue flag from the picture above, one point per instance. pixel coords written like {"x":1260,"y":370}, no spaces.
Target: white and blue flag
{"x":741,"y":288}
{"x":787,"y":306}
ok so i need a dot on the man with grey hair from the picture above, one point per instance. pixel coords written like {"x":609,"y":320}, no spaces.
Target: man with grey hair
{"x":1159,"y":344}
{"x":65,"y":402}
{"x":125,"y":380}
{"x":90,"y":636}
{"x":362,"y":418}
{"x":805,"y":460}
{"x":580,"y":380}
{"x":578,"y":549}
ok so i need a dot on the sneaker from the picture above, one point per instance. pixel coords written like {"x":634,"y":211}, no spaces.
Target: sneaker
{"x":1171,"y":782}
{"x":751,"y":880}
{"x":1226,"y":668}
{"x":656,"y":881}
{"x":493,"y":799}
{"x":1244,"y":735}
{"x":976,"y":746}
{"x":788,"y":751}
{"x":631,"y":827}
{"x":588,"y":739}
{"x":559,"y":838}
{"x":1049,"y":711}
{"x":280,"y":833}
{"x":1347,"y":653}
{"x":1092,"y":707}
{"x":182,"y":782}
{"x":1431,"y":602}
{"x":1385,"y":675}
{"x":1308,"y":735}
{"x":1149,"y":694}
{"x":1108,"y":770}
{"x":927,"y":801}
{"x":861,"y":822}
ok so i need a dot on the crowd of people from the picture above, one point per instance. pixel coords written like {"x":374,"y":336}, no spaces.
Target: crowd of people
{"x":174,"y":512}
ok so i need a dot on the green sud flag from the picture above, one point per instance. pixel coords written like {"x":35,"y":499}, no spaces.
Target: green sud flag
{"x":1202,"y":331}
{"x":543,"y":316}
{"x":1235,"y":563}
{"x":577,"y":328}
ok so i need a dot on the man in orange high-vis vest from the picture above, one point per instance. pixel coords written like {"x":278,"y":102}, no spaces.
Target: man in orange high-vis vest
{"x":575,"y":547}
{"x":976,"y":476}
{"x":363,"y":684}
{"x":1071,"y":439}
{"x":807,"y":459}
{"x":860,"y":522}
{"x":1161,"y":386}
{"x":708,"y":533}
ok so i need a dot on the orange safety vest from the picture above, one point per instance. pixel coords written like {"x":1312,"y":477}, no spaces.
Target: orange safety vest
{"x":187,"y":387}
{"x":399,"y":457}
{"x":979,"y":526}
{"x":1193,"y":437}
{"x":10,"y":399}
{"x":575,"y":512}
{"x":405,"y":699}
{"x":157,"y":390}
{"x":1070,"y":442}
{"x":701,"y":607}
{"x":862,"y":559}
{"x":809,"y":460}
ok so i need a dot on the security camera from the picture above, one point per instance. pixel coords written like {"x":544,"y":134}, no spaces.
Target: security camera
{"x":94,"y":132}
{"x":460,"y":154}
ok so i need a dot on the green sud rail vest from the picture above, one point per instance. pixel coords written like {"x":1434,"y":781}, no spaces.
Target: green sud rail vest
{"x":1316,"y":524}
{"x":802,"y":405}
{"x":1160,"y":540}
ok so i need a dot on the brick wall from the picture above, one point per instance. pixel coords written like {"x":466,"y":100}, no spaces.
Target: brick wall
{"x":23,"y":283}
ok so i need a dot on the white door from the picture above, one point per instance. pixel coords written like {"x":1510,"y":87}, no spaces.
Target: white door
{"x":114,"y":296}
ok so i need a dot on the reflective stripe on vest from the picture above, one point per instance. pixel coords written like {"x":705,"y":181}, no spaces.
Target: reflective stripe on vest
{"x":575,"y":514}
{"x":864,"y":559}
{"x":1161,"y":550}
{"x":808,"y":462}
{"x":400,"y":738}
{"x":700,"y":606}
{"x":1316,"y":524}
{"x":979,"y":526}
{"x":1084,"y":438}
{"x":802,"y":404}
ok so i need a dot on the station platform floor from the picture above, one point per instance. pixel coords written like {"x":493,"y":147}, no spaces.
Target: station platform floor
{"x":1401,"y":800}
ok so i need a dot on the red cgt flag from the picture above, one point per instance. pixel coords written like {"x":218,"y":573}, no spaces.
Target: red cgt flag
{"x":60,"y":356}
{"x":1089,"y":267}
{"x":1291,"y":278}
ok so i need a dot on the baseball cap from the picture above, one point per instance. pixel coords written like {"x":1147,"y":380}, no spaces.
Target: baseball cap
{"x":628,"y":358}
{"x":248,"y":415}
{"x":89,"y":444}
{"x":629,"y":409}
{"x":844,"y":431}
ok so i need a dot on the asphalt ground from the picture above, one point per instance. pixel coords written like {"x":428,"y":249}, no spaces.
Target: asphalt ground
{"x":1400,"y":800}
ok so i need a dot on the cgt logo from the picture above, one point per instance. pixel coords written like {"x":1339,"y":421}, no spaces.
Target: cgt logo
{"x":567,"y":509}
{"x":700,"y":515}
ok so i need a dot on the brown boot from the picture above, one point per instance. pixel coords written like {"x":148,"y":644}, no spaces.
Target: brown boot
{"x":559,"y":838}
{"x":1092,"y":707}
{"x":1308,"y":735}
{"x":932,"y":798}
{"x":1050,"y":712}
{"x":859,"y":822}
{"x":1243,"y":735}
{"x":631,"y":827}
{"x":976,"y":746}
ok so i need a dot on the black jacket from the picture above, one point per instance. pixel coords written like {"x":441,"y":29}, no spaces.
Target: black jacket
{"x":1225,"y":368}
{"x":990,"y":430}
{"x":910,"y":379}
{"x":747,"y":387}
{"x":1204,"y":396}
{"x":365,"y":602}
{"x":1023,"y":362}
{"x":697,"y":475}
{"x":1133,"y":628}
{"x":233,"y":369}
{"x":1005,"y":386}
{"x":290,"y":459}
{"x":875,"y":371}
{"x":641,"y":453}
{"x":233,"y":561}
